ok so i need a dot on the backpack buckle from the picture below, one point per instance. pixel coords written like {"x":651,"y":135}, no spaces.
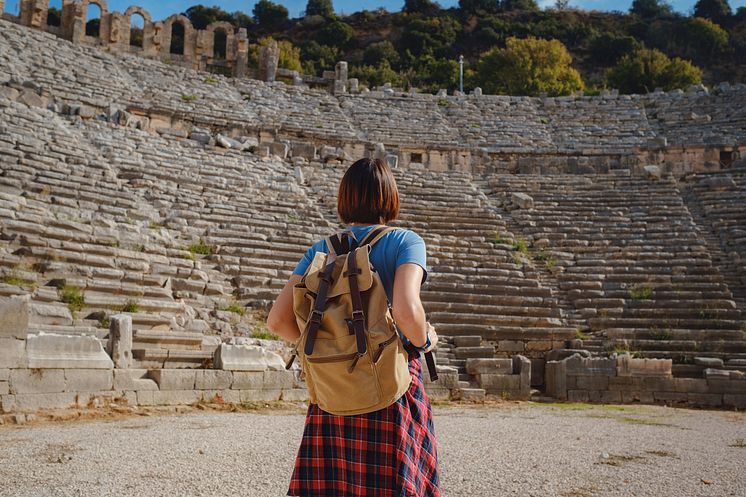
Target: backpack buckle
{"x":315,"y":316}
{"x":358,"y":316}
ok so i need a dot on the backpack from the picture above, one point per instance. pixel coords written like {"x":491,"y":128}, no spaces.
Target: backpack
{"x":350,"y":351}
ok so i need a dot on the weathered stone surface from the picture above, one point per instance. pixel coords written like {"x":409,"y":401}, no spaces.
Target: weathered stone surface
{"x":174,"y":379}
{"x":88,"y":380}
{"x":261,"y":395}
{"x":50,"y":314}
{"x":247,"y":358}
{"x":213,"y":380}
{"x":522,"y":200}
{"x":120,"y":340}
{"x":12,"y":353}
{"x":172,"y":397}
{"x":14,"y":317}
{"x":37,"y":381}
{"x":493,"y":366}
{"x":66,"y":351}
{"x":32,"y":402}
{"x":652,"y":172}
{"x":133,"y":380}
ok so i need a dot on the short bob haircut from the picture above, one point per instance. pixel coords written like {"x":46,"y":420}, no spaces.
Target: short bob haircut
{"x":368,"y":193}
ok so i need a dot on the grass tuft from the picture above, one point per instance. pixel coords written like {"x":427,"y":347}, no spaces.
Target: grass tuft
{"x":130,"y":306}
{"x":640,"y":292}
{"x":73,"y":297}
{"x":201,"y":248}
{"x":234,"y":307}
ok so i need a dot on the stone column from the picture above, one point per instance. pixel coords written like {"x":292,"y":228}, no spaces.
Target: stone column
{"x":2,"y":7}
{"x":241,"y":66}
{"x":340,"y":77}
{"x":13,"y":331}
{"x":269,"y":60}
{"x":120,"y":341}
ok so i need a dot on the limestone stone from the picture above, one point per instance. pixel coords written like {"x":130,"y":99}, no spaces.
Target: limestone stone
{"x":49,"y":350}
{"x":213,"y":380}
{"x":493,"y":366}
{"x":221,"y":396}
{"x":32,"y":402}
{"x":14,"y":317}
{"x":295,"y":395}
{"x":247,"y":380}
{"x":88,"y":380}
{"x":133,"y":380}
{"x":261,"y":395}
{"x":522,"y":200}
{"x":37,"y":381}
{"x":174,"y":379}
{"x":652,"y":172}
{"x":247,"y":358}
{"x":51,"y":314}
{"x":173,"y":397}
{"x":709,"y":362}
{"x":12,"y":353}
{"x":120,"y":340}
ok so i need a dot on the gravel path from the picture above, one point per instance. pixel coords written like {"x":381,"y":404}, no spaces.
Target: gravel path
{"x":514,"y":449}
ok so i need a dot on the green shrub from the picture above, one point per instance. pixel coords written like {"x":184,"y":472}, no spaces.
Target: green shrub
{"x":73,"y":297}
{"x":265,"y":335}
{"x":661,"y":334}
{"x":234,"y":307}
{"x":640,"y":292}
{"x":189,"y":98}
{"x":520,"y":246}
{"x":644,"y":70}
{"x":130,"y":306}
{"x":201,"y":248}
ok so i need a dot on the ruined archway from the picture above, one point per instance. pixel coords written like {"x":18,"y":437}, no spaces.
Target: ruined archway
{"x":137,"y":30}
{"x":54,"y":13}
{"x":12,"y":8}
{"x":93,"y":15}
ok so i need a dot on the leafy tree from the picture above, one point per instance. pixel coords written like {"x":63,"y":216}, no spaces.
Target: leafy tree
{"x":336,"y":34}
{"x":527,"y":5}
{"x":202,"y":16}
{"x":479,"y":6}
{"x":269,"y":14}
{"x":378,"y":75}
{"x":318,"y":58}
{"x":647,"y":69}
{"x":528,"y":67}
{"x":322,"y":8}
{"x":428,"y":36}
{"x":242,"y":20}
{"x":380,"y":51}
{"x":427,"y":7}
{"x":606,"y":49}
{"x":703,"y":37}
{"x":648,"y":9}
{"x":433,"y":74}
{"x":716,"y":10}
{"x":289,"y":54}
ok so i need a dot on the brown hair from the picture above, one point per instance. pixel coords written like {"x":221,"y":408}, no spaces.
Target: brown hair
{"x":368,"y":193}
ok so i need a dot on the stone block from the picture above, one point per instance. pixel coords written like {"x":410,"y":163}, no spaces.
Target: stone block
{"x":716,"y":373}
{"x":605,"y":396}
{"x":14,"y":316}
{"x":625,"y":383}
{"x":499,"y":383}
{"x":690,"y":385}
{"x":37,"y":381}
{"x":4,"y":388}
{"x":278,"y":379}
{"x":709,"y":362}
{"x":4,"y":374}
{"x":211,"y":379}
{"x":637,"y":396}
{"x":145,"y":398}
{"x":592,"y":382}
{"x":658,"y":384}
{"x":247,"y":358}
{"x":51,"y":314}
{"x":120,"y":340}
{"x":522,"y":200}
{"x":627,"y":365}
{"x":671,"y":397}
{"x":88,"y":380}
{"x":12,"y":353}
{"x":175,"y":397}
{"x":705,"y":399}
{"x":652,"y":172}
{"x":467,"y":341}
{"x":540,"y":345}
{"x":576,"y":364}
{"x":726,"y":386}
{"x":66,"y":352}
{"x":296,"y":395}
{"x":735,"y":400}
{"x":305,"y":150}
{"x":556,"y":380}
{"x":261,"y":395}
{"x":221,"y":396}
{"x":560,"y":354}
{"x":522,"y":367}
{"x":278,"y":149}
{"x":436,"y":392}
{"x":577,"y":396}
{"x":248,"y":380}
{"x":133,"y":380}
{"x":174,"y":379}
{"x":7,"y":403}
{"x":31,"y":402}
{"x":489,"y":365}
{"x":510,"y":346}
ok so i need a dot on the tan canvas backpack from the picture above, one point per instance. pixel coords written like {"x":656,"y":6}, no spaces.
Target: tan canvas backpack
{"x":350,"y":351}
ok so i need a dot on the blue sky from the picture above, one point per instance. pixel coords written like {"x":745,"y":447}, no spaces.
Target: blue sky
{"x":163,"y":9}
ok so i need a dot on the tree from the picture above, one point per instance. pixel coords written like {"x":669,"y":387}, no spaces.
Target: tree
{"x":526,"y":5}
{"x":704,"y":37}
{"x":380,"y":51}
{"x":202,"y":16}
{"x":528,"y":67}
{"x":322,"y":8}
{"x":606,"y":49}
{"x":289,"y":54}
{"x":336,"y":34}
{"x":270,"y":15}
{"x":427,"y":7}
{"x":648,"y":9}
{"x":468,"y":7}
{"x":716,"y":10}
{"x":318,"y":58}
{"x":646,"y":69}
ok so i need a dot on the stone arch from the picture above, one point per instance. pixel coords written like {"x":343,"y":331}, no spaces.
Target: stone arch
{"x":54,"y":20}
{"x":11,"y":8}
{"x":230,"y":33}
{"x":32,"y":13}
{"x":103,"y":28}
{"x":147,"y":28}
{"x":189,"y":36}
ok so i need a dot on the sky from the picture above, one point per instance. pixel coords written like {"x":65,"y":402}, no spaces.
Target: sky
{"x":162,"y":9}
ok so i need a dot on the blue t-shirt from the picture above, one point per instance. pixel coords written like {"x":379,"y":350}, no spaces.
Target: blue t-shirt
{"x":394,"y":249}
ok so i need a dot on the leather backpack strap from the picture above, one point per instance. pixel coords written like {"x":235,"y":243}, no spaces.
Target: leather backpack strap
{"x":314,"y":322}
{"x":358,"y":314}
{"x":376,"y":234}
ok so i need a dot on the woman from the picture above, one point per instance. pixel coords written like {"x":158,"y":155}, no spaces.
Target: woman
{"x":390,"y":452}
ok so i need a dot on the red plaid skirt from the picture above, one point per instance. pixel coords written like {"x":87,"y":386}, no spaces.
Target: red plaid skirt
{"x":385,"y":453}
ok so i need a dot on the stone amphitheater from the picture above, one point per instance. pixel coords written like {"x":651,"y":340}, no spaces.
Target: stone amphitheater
{"x":581,"y":248}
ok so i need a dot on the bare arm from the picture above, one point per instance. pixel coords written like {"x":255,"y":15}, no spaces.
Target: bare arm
{"x":407,"y":306}
{"x":281,"y":318}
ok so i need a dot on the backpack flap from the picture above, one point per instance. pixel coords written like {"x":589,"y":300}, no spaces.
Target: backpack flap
{"x":341,"y":284}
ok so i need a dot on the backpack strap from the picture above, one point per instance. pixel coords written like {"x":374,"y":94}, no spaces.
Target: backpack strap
{"x":340,"y":243}
{"x":376,"y":234}
{"x":358,"y":314}
{"x":314,"y":322}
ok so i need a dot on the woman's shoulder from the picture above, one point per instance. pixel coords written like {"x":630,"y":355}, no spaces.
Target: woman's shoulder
{"x":407,"y":236}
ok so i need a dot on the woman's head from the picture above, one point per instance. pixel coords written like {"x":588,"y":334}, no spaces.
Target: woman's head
{"x":368,"y":194}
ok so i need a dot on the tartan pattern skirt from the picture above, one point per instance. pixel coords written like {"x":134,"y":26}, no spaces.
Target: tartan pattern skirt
{"x":386,"y":453}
